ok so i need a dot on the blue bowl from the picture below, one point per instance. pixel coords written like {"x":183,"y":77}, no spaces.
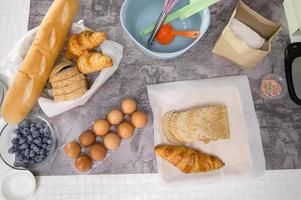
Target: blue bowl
{"x":135,"y":15}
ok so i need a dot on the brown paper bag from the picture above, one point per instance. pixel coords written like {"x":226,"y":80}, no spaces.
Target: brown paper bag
{"x":235,"y":49}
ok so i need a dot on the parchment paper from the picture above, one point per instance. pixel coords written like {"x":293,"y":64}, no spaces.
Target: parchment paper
{"x":242,"y":153}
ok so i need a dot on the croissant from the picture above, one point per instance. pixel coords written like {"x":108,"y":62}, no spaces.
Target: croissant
{"x":90,"y":62}
{"x":188,"y":160}
{"x":82,"y":42}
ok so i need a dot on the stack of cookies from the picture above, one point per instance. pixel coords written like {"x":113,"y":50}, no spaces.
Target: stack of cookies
{"x":67,"y":82}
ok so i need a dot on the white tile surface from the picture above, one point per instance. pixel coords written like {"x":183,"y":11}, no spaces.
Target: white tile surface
{"x":274,"y":185}
{"x":13,"y":23}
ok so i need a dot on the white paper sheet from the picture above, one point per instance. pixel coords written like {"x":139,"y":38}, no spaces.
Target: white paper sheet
{"x":14,"y":59}
{"x":242,"y":153}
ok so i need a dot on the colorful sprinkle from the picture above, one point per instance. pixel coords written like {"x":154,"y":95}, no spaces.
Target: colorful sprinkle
{"x":271,"y":88}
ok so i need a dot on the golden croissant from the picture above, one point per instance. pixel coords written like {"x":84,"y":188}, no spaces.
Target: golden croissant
{"x":187,"y":159}
{"x":82,"y":42}
{"x":90,"y":62}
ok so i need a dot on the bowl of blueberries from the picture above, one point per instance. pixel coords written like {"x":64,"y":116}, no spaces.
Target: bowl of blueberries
{"x":28,"y":144}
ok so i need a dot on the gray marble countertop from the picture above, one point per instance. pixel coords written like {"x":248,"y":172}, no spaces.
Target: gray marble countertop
{"x":280,"y":120}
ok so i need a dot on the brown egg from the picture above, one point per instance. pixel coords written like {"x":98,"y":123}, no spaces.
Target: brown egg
{"x":138,"y":119}
{"x":97,"y":152}
{"x":115,"y":117}
{"x":101,"y":127}
{"x":128,"y":106}
{"x":111,"y":141}
{"x":83,"y":163}
{"x":72,"y":149}
{"x":125,"y":130}
{"x":87,"y":138}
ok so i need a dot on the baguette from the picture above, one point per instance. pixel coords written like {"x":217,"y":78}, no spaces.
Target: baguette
{"x":39,"y":60}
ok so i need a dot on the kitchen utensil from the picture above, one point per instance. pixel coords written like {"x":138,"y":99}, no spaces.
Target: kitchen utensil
{"x":185,"y":12}
{"x":6,"y":135}
{"x":166,"y":34}
{"x":136,"y":14}
{"x":167,"y":7}
{"x":18,"y":185}
{"x":293,"y":71}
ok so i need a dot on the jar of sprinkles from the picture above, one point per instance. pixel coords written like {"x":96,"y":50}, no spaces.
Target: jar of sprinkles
{"x":272,"y":87}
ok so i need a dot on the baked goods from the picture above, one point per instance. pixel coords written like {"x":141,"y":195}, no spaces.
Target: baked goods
{"x":128,"y":106}
{"x":101,"y":127}
{"x":115,"y":117}
{"x":188,"y":160}
{"x":125,"y":130}
{"x":90,"y":62}
{"x":85,"y":41}
{"x":83,"y":163}
{"x":112,"y":130}
{"x":39,"y":60}
{"x":139,"y":119}
{"x":204,"y":123}
{"x":87,"y":138}
{"x":71,"y":96}
{"x":67,"y":82}
{"x":98,"y":152}
{"x":111,"y":141}
{"x":73,"y":149}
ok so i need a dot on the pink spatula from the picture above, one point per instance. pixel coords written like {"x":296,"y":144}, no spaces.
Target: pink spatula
{"x":167,"y":7}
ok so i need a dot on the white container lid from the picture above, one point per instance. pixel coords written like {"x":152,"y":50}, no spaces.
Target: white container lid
{"x":18,"y":185}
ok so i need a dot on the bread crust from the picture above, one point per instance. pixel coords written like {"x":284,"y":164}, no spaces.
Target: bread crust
{"x":39,"y":60}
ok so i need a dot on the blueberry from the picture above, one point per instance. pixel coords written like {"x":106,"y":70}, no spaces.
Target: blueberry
{"x":21,"y":141}
{"x":26,"y":160}
{"x":33,"y":129}
{"x":32,"y":125}
{"x":19,"y":135}
{"x":24,"y":124}
{"x":49,"y":141}
{"x":29,"y":138}
{"x":32,"y":154}
{"x":44,"y":140}
{"x":44,"y":146}
{"x":49,"y":147}
{"x":38,"y":159}
{"x":18,"y":164}
{"x":19,"y":157}
{"x":39,"y":125}
{"x":15,"y":146}
{"x":14,"y":140}
{"x":26,"y":131}
{"x":36,"y":149}
{"x":32,"y":146}
{"x":26,"y":153}
{"x":36,"y":134}
{"x":16,"y":131}
{"x":32,"y":162}
{"x":37,"y":140}
{"x":43,"y":156}
{"x":11,"y":150}
{"x":24,"y":146}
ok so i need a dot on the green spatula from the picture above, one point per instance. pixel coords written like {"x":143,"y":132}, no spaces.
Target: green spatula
{"x":194,"y":7}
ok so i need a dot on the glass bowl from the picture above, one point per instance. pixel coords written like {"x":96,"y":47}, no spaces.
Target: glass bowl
{"x":272,"y":86}
{"x":7,"y":134}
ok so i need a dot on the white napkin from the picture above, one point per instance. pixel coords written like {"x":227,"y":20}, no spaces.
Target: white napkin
{"x":242,"y":153}
{"x":11,"y":63}
{"x":242,"y":31}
